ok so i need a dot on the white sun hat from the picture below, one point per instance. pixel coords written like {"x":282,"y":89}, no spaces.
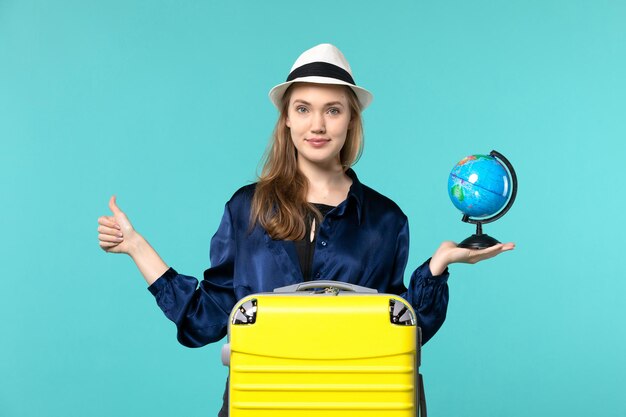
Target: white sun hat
{"x":322,"y":64}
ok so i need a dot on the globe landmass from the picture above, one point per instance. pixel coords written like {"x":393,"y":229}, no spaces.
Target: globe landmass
{"x":479,"y":186}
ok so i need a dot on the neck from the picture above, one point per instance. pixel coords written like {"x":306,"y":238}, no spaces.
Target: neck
{"x":327,"y":185}
{"x":321,"y":173}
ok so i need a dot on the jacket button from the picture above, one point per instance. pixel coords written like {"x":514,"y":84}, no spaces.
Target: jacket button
{"x":323,"y":243}
{"x":318,"y":275}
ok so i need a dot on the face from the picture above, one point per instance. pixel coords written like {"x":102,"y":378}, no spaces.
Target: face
{"x":318,"y":117}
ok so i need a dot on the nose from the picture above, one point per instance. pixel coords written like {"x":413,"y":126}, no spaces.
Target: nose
{"x":318,"y":124}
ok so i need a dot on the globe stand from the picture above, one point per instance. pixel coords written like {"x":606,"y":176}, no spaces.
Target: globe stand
{"x":480,"y":240}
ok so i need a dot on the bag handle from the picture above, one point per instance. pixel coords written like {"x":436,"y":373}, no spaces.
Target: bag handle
{"x":323,"y":284}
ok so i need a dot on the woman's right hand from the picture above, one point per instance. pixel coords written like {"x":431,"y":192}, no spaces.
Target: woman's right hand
{"x":115,"y":233}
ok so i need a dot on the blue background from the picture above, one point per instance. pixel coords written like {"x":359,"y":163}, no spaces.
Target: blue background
{"x":164,"y":104}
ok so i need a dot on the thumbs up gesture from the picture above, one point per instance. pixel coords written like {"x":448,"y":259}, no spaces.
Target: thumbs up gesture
{"x":115,"y":232}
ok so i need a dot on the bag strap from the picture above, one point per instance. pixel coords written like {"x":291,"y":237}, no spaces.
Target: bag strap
{"x":421,"y":411}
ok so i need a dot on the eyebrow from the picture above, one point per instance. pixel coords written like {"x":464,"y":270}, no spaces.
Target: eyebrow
{"x":331,"y":103}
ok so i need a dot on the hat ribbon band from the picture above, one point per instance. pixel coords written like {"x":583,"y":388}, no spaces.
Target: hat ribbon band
{"x":321,"y":69}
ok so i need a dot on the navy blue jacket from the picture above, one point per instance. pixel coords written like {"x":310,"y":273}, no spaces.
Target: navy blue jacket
{"x":363,"y":241}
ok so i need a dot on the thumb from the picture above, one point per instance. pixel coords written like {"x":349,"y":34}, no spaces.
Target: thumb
{"x":120,"y":217}
{"x":113,"y":206}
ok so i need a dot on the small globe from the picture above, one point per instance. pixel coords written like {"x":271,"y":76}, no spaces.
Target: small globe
{"x":479,"y":186}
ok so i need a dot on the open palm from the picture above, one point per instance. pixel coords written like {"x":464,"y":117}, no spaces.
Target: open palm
{"x":449,"y":253}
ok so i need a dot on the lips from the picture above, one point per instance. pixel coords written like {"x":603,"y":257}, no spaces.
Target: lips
{"x":317,"y":142}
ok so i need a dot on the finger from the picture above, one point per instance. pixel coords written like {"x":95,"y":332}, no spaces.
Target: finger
{"x":508,"y":246}
{"x":113,"y":206}
{"x":448,"y":244}
{"x":494,"y":248}
{"x":110,"y":231}
{"x":108,"y":221}
{"x":108,"y":238}
{"x":475,"y":255}
{"x":108,"y":246}
{"x":490,"y":252}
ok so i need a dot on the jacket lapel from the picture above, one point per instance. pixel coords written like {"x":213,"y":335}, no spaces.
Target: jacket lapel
{"x":285,"y":255}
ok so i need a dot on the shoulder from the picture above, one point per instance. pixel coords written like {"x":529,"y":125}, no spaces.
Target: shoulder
{"x":243,"y":194}
{"x":381,"y":206}
{"x":370,"y":199}
{"x":240,"y":202}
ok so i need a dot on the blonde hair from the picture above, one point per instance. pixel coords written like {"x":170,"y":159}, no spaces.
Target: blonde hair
{"x":279,"y":204}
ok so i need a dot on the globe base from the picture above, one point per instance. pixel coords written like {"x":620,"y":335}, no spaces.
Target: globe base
{"x":478,"y":242}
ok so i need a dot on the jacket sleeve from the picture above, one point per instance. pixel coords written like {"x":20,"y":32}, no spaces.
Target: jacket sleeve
{"x":427,"y":294}
{"x":201,"y":312}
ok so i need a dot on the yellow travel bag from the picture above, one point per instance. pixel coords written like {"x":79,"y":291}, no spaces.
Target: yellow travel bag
{"x":324,"y":348}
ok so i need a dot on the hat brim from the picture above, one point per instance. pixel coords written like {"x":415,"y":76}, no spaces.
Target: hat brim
{"x":276,"y":94}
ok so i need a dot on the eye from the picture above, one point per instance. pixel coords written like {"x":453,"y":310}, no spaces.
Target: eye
{"x":301,"y":109}
{"x":333,"y":111}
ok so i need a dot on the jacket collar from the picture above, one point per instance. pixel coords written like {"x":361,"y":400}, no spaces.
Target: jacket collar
{"x":355,"y":194}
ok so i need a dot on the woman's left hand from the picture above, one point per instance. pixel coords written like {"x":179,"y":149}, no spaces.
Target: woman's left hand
{"x":449,"y":253}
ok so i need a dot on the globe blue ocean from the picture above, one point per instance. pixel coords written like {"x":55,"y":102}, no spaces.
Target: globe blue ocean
{"x":479,"y":186}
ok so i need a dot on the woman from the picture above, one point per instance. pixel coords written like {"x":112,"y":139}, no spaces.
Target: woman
{"x":308,"y":217}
